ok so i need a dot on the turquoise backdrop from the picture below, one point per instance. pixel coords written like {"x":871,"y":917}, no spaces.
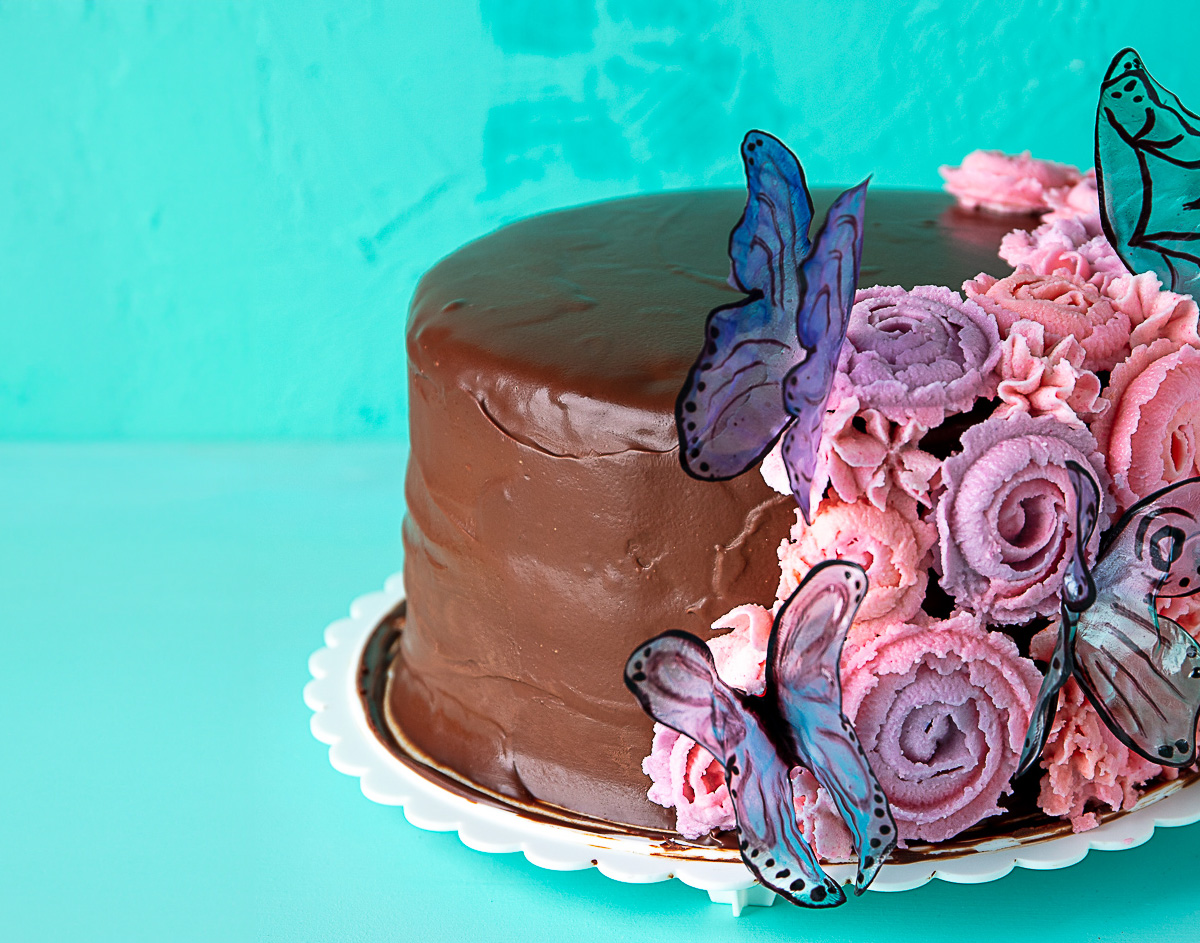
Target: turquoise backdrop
{"x":213,"y":214}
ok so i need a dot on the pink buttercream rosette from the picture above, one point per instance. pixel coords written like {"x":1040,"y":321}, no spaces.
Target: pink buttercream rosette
{"x":1086,"y":765}
{"x":892,"y":544}
{"x":941,"y":708}
{"x":1046,"y":382}
{"x":1151,"y":430}
{"x":1004,"y":183}
{"x":1080,"y":202}
{"x":863,"y":454}
{"x":687,"y":778}
{"x":919,"y":355}
{"x":1064,"y":246}
{"x":1007,"y":516}
{"x":1063,"y":304}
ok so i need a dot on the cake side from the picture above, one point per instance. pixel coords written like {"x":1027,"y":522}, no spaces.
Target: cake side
{"x":550,"y":527}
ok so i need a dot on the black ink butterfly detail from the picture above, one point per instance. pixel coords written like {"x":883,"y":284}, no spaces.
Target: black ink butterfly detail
{"x":1140,"y":670}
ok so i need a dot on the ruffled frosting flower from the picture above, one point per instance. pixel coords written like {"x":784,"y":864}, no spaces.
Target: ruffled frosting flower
{"x":1153,"y":312}
{"x":941,"y":709}
{"x":864,"y":455}
{"x":918,"y":355}
{"x":1063,"y":305}
{"x":1085,"y":764}
{"x":892,"y":544}
{"x":1007,"y":515}
{"x":1065,"y":247}
{"x":1080,"y":202}
{"x":1005,"y":183}
{"x":1151,"y":430}
{"x":1044,"y":382}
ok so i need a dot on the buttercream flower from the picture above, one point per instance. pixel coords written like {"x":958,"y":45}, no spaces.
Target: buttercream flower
{"x":1080,"y":202}
{"x":685,"y":777}
{"x":1064,"y":247}
{"x":863,"y":454}
{"x":1085,"y":764}
{"x":1007,"y":516}
{"x":941,"y":709}
{"x":918,"y":355}
{"x":1063,"y":305}
{"x":1007,"y":183}
{"x":1044,"y":382}
{"x":1153,"y":312}
{"x":892,"y":544}
{"x":1151,"y":430}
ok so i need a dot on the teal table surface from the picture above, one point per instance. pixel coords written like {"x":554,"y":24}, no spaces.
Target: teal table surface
{"x":159,"y":604}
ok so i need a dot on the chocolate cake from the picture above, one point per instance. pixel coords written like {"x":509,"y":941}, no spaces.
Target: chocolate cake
{"x":550,"y":526}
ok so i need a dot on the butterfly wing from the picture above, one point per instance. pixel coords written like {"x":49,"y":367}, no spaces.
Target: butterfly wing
{"x":804,"y":680}
{"x":829,"y":276}
{"x":675,"y":679}
{"x":729,"y":412}
{"x":1148,"y":174}
{"x":1142,"y":670}
{"x":1078,"y":593}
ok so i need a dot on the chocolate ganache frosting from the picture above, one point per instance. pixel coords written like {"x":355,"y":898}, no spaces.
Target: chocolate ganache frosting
{"x":550,"y":526}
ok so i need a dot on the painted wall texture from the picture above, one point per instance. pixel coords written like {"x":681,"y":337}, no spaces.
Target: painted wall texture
{"x":213,"y":215}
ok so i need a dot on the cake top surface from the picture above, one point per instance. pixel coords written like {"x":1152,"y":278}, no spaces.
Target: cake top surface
{"x":575,"y":329}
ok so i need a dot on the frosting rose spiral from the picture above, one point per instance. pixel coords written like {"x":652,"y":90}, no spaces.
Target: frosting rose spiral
{"x":1064,"y":305}
{"x":1080,"y":202}
{"x":1151,"y":431}
{"x":893,"y":545}
{"x":1007,"y":514}
{"x":1004,"y":183}
{"x":918,"y":355}
{"x":941,"y":709}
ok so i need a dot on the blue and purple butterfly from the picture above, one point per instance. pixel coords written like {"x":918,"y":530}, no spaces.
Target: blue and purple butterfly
{"x":1139,"y":669}
{"x":1148,"y":174}
{"x":768,"y":361}
{"x":759,"y":740}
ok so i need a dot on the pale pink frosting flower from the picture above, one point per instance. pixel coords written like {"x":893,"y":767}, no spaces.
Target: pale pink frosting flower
{"x":1080,"y":202}
{"x":893,"y":545}
{"x":1004,"y":183}
{"x":918,"y":355}
{"x":1006,"y":518}
{"x":941,"y":708}
{"x":1153,"y":312}
{"x":1062,"y":304}
{"x":1045,"y":382}
{"x":1085,"y":763}
{"x":1151,"y":432}
{"x":687,"y":778}
{"x":863,"y":454}
{"x":1066,"y":247}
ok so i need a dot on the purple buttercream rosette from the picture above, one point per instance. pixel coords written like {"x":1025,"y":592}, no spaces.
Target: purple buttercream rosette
{"x":918,"y":355}
{"x":1006,"y":519}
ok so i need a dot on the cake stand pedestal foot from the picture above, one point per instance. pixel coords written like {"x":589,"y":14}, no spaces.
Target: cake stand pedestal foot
{"x":756,"y":896}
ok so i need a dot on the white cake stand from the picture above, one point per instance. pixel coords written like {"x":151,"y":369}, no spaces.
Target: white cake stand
{"x":339,"y":720}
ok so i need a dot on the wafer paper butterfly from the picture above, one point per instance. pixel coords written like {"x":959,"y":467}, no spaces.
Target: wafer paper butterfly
{"x":768,"y":360}
{"x":1148,"y":175}
{"x":797,"y":721}
{"x":1140,"y":670}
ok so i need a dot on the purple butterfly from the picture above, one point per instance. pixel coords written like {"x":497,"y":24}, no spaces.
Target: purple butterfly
{"x":797,"y":721}
{"x":768,"y":360}
{"x":1140,"y":670}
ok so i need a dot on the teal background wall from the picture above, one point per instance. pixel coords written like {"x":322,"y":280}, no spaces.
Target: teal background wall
{"x":212,"y":215}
